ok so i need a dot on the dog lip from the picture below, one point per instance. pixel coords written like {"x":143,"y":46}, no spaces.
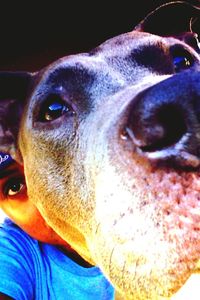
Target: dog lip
{"x":181,"y":158}
{"x":175,"y":155}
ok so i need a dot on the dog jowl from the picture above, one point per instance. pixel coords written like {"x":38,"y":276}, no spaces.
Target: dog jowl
{"x":110,"y":143}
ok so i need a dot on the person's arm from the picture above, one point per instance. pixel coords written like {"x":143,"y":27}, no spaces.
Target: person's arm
{"x":5,"y":297}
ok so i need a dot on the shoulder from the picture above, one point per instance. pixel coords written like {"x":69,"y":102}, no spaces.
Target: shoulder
{"x":14,"y":240}
{"x":9,"y":230}
{"x":16,"y":262}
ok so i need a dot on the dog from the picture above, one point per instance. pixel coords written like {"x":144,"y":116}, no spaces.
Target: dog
{"x":110,"y":143}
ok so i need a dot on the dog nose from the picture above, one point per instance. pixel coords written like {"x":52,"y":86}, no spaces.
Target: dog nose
{"x":157,"y":125}
{"x":165,"y":118}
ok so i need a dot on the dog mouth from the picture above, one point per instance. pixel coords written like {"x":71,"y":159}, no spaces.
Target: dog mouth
{"x":159,"y":224}
{"x":163,"y":188}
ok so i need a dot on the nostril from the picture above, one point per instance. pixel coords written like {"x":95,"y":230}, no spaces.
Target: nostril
{"x":172,"y":125}
{"x":155,"y":129}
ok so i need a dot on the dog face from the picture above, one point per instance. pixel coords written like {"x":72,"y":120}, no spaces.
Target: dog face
{"x":110,"y":146}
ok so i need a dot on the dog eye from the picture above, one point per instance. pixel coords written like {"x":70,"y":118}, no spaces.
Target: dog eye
{"x":53,"y":109}
{"x":182,"y":60}
{"x":13,"y":187}
{"x":181,"y":63}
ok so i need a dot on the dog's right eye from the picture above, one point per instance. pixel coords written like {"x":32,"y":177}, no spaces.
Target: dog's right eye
{"x":53,"y":108}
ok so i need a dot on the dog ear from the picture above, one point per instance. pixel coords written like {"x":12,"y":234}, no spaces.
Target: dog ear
{"x":178,"y":19}
{"x":14,"y":87}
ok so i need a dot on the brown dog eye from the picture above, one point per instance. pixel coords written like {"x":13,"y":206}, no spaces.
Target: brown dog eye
{"x":53,"y":109}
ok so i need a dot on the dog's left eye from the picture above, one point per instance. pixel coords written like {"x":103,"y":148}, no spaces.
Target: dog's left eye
{"x":53,"y":109}
{"x":182,"y":60}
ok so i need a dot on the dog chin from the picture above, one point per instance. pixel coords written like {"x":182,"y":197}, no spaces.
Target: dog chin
{"x":146,"y":236}
{"x":190,"y":290}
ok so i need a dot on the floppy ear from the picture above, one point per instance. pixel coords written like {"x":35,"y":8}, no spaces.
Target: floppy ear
{"x":178,"y":19}
{"x":14,"y":88}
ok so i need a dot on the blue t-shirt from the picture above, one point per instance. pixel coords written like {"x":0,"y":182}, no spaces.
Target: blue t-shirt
{"x":33,"y":270}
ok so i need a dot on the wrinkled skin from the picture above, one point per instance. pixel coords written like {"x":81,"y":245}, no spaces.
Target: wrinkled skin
{"x":135,"y":213}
